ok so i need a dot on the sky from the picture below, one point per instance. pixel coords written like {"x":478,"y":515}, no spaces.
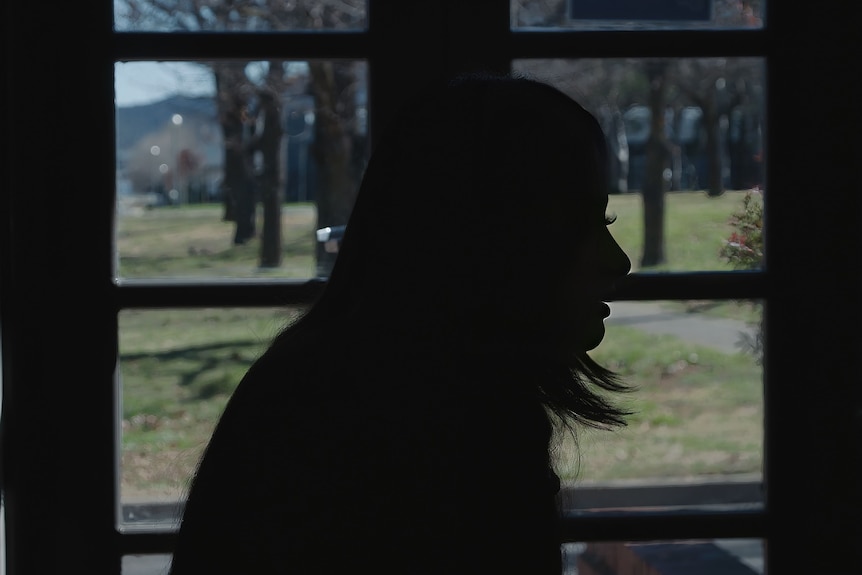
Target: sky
{"x":138,"y":83}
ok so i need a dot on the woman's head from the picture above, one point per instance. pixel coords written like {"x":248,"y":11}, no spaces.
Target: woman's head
{"x":480,"y":226}
{"x":483,"y":208}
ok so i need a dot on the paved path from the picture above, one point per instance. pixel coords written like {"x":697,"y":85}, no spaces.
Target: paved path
{"x":698,"y":328}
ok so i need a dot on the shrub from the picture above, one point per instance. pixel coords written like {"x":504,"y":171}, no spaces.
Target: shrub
{"x":744,"y":251}
{"x":744,"y":248}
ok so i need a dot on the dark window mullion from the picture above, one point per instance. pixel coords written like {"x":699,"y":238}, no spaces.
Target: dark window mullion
{"x":143,"y":543}
{"x":151,"y":295}
{"x":663,"y":525}
{"x":245,"y":293}
{"x":583,"y":527}
{"x":257,"y":45}
{"x":694,"y":285}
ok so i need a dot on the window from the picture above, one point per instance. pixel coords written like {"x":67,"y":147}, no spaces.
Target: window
{"x":107,"y":240}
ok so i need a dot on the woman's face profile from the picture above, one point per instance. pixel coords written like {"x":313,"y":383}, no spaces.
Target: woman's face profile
{"x":587,"y":258}
{"x":541,"y":261}
{"x":599,"y":262}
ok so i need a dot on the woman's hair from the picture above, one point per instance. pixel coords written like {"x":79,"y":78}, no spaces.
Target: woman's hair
{"x":452,"y":198}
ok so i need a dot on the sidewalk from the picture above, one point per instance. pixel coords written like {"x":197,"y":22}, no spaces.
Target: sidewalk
{"x":653,"y":317}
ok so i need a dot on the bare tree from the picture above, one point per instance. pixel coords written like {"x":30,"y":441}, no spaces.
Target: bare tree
{"x":717,"y":86}
{"x":333,"y":86}
{"x":230,"y":105}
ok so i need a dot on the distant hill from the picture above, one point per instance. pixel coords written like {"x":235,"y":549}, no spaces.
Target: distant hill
{"x":135,"y":122}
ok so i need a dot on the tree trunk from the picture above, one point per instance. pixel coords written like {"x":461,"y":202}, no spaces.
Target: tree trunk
{"x":332,"y":150}
{"x":656,"y":163}
{"x":270,"y":245}
{"x":269,"y":143}
{"x":229,"y":103}
{"x":715,"y":181}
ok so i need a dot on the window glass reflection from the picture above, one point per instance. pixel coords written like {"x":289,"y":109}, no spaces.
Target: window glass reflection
{"x":638,"y":15}
{"x":726,"y":556}
{"x":145,"y":564}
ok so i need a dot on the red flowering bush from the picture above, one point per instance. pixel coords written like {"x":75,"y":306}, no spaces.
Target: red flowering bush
{"x":744,"y":248}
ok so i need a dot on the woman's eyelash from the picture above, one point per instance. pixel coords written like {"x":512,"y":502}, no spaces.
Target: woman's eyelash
{"x":610,"y":218}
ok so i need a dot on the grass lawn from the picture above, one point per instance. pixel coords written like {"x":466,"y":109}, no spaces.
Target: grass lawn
{"x":195,"y":242}
{"x":696,"y":411}
{"x":695,"y":227}
{"x":178,"y":368}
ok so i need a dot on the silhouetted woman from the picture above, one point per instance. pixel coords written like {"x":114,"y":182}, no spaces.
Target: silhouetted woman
{"x":404,"y":424}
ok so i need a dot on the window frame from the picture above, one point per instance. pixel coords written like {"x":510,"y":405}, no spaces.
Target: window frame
{"x":54,"y":379}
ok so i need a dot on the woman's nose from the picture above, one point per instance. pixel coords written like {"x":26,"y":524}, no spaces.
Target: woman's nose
{"x":625,"y":262}
{"x":617,"y":262}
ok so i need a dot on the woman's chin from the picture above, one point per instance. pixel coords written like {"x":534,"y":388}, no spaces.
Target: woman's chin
{"x":573,"y":344}
{"x":592,"y":340}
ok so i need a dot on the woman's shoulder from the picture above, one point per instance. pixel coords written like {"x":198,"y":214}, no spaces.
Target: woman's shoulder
{"x":380,"y":380}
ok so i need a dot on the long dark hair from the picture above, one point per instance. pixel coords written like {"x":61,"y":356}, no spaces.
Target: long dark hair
{"x":436,"y":219}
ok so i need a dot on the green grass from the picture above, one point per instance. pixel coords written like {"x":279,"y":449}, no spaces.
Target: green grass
{"x":178,"y":368}
{"x":195,"y":242}
{"x":695,"y":227}
{"x":696,"y":411}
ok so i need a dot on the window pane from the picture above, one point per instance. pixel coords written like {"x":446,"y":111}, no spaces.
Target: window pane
{"x":720,"y":556}
{"x":177,"y":369}
{"x":238,"y":16}
{"x":638,"y":15}
{"x":679,"y":177}
{"x":235,"y":182}
{"x":695,"y":436}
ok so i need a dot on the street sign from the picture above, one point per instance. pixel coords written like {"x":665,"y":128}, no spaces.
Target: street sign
{"x":687,"y":10}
